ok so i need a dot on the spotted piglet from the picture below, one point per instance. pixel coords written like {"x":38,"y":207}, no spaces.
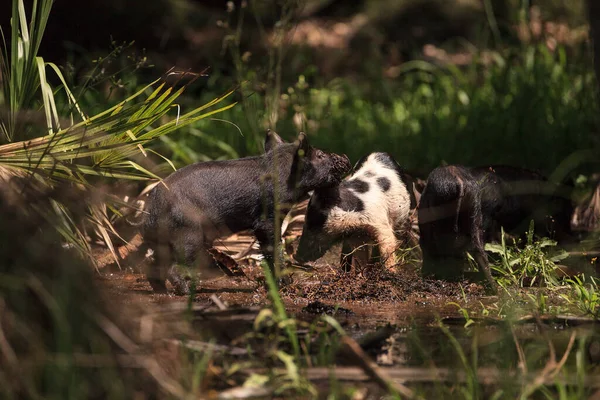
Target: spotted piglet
{"x":371,"y":206}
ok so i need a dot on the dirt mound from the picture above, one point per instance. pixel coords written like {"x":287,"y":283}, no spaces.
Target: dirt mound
{"x":378,"y":284}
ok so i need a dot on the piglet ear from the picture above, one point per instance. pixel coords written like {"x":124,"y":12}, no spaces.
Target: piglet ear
{"x":272,"y":140}
{"x":302,"y":144}
{"x":302,"y":149}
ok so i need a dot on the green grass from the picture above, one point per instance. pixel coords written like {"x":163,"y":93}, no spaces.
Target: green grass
{"x":529,"y":265}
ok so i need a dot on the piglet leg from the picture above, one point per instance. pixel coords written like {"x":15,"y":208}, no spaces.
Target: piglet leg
{"x":159,"y":258}
{"x":355,"y":253}
{"x":266,"y":238}
{"x":387,"y":247}
{"x":479,"y":254}
{"x":180,"y":285}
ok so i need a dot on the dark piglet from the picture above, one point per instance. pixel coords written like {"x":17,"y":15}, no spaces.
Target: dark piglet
{"x":206,"y":200}
{"x":463,"y":208}
{"x":372,"y":205}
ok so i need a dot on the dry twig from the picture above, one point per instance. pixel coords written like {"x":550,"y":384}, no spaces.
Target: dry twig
{"x":372,"y":370}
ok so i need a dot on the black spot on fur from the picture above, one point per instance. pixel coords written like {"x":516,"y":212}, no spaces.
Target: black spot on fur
{"x":319,"y":207}
{"x":358,"y":185}
{"x":325,"y":199}
{"x":384,"y":183}
{"x":389,"y":161}
{"x":350,"y":202}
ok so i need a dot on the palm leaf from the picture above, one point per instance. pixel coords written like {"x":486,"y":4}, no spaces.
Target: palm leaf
{"x":75,"y":156}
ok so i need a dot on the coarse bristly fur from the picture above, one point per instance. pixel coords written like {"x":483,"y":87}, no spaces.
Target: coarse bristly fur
{"x":371,"y":205}
{"x":203,"y":201}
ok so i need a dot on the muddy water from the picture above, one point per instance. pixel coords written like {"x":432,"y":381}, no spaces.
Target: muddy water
{"x":365,"y":304}
{"x":371,"y":299}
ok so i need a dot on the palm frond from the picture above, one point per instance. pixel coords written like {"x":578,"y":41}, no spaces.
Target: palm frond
{"x":78,"y":155}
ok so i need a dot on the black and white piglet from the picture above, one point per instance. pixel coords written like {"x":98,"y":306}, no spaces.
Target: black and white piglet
{"x":206,"y":200}
{"x":372,"y":204}
{"x":463,"y":208}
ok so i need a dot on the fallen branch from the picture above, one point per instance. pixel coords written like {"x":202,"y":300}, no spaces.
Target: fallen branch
{"x":372,"y":370}
{"x":375,"y":339}
{"x":403,"y":375}
{"x":202,"y":347}
{"x":568,"y":320}
{"x":168,"y":384}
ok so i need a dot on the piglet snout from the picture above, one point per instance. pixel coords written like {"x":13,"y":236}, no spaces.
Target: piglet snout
{"x":341,"y":165}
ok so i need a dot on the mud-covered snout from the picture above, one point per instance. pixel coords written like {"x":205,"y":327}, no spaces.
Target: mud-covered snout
{"x":340,"y":166}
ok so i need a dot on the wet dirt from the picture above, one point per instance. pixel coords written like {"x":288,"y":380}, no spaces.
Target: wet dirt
{"x":394,"y":316}
{"x":372,"y":296}
{"x":365,"y":298}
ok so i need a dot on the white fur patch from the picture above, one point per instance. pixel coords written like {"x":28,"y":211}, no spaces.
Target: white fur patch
{"x":385,"y":212}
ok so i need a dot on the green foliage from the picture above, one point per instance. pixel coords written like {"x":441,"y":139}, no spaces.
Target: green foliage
{"x":484,"y":115}
{"x":279,"y":310}
{"x":585,"y":293}
{"x":280,"y":341}
{"x":524,"y":106}
{"x":279,"y":336}
{"x":527,"y":265}
{"x":71,"y":155}
{"x":54,"y":316}
{"x":465,"y":313}
{"x":23,"y":72}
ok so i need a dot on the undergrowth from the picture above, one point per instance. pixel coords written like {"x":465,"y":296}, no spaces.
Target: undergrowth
{"x":529,"y":264}
{"x":527,"y":106}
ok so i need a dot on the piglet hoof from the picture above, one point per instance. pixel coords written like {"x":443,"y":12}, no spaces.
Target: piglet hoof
{"x":279,"y":282}
{"x":158,"y":286}
{"x":181,"y":288}
{"x":285,"y":280}
{"x":491,"y":289}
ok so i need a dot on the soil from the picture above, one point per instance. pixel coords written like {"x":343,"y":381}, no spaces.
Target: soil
{"x":368,"y":297}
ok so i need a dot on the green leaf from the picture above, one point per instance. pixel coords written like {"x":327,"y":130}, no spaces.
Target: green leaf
{"x":290,"y":366}
{"x":545,"y":242}
{"x":264,"y":315}
{"x":256,"y":380}
{"x":334,"y":323}
{"x":494,"y":248}
{"x":560,"y":256}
